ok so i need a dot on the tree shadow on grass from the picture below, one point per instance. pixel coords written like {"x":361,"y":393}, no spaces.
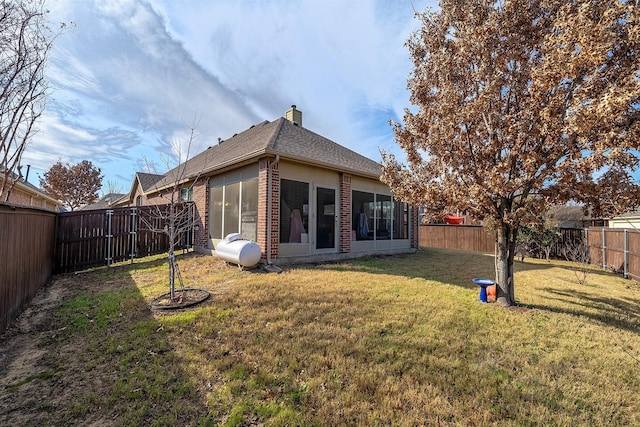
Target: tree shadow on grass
{"x":447,"y":266}
{"x":616,"y":312}
{"x":457,"y":268}
{"x":88,"y":350}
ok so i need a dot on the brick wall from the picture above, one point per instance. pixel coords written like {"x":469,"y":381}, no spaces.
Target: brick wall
{"x":263,"y":208}
{"x":200,"y":199}
{"x":201,"y":219}
{"x":345,"y":213}
{"x":21,"y":197}
{"x":261,"y":237}
{"x":414,"y":226}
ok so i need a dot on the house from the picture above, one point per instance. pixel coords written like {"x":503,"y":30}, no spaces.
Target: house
{"x":26,"y":194}
{"x":299,"y":195}
{"x":628,"y":220}
{"x":142,"y":184}
{"x":104,"y":202}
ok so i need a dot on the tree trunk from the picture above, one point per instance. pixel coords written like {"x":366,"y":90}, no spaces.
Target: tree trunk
{"x":505,"y":253}
{"x":171,"y":231}
{"x":172,"y":275}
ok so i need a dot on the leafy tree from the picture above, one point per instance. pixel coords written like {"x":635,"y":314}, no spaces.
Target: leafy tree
{"x":74,"y":185}
{"x":533,"y":238}
{"x":547,"y":238}
{"x":520,"y":104}
{"x":526,"y":244}
{"x":25,"y":42}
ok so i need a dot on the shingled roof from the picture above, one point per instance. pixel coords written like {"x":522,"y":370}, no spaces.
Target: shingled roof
{"x":104,"y":202}
{"x":280,"y":137}
{"x":148,"y":180}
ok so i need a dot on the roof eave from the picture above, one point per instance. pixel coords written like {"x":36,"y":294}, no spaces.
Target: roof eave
{"x":326,"y":165}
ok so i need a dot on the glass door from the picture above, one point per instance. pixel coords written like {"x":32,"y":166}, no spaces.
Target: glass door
{"x":326,"y":217}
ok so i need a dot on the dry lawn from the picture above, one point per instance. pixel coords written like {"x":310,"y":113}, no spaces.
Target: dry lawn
{"x":376,"y":341}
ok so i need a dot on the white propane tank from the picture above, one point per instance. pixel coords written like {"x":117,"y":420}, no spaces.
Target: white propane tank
{"x":234,"y":249}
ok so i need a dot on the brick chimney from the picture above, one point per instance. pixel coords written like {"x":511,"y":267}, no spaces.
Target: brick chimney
{"x":294,"y":116}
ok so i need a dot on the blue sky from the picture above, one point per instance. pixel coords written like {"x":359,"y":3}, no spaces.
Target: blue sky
{"x":130,"y":77}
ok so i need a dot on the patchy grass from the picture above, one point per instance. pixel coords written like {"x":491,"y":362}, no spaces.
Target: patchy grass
{"x":376,"y":341}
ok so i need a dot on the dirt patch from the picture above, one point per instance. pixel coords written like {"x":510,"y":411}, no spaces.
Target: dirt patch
{"x":22,"y":363}
{"x":19,"y":350}
{"x":31,"y":379}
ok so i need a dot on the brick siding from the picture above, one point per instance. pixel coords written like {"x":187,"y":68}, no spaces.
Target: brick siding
{"x":20,"y":197}
{"x":201,"y":219}
{"x":413,"y":227}
{"x":345,"y":213}
{"x":263,"y":208}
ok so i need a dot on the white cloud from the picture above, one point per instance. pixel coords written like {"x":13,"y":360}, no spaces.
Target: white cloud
{"x":132,"y":74}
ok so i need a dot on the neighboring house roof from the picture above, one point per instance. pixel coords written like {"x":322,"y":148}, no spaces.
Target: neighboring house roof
{"x":146,"y":181}
{"x":27,"y":187}
{"x":103,"y":202}
{"x":628,"y":215}
{"x":282,"y":138}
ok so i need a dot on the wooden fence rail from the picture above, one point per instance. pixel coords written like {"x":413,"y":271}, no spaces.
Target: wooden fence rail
{"x":26,"y":256}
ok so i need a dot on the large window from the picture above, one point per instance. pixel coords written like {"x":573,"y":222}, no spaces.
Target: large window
{"x":216,"y":195}
{"x":231,"y":210}
{"x":249,"y":211}
{"x":294,"y":211}
{"x":383,"y":217}
{"x":233,"y":204}
{"x":378,"y":217}
{"x":363,"y":214}
{"x":401,"y":220}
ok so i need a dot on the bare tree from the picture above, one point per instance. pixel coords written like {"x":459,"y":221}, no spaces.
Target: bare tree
{"x":113,"y":187}
{"x":577,"y":252}
{"x":520,"y":105}
{"x":175,"y":217}
{"x":25,"y":42}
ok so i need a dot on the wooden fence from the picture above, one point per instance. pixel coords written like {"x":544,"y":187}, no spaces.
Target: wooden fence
{"x":26,"y":256}
{"x":613,"y":249}
{"x":616,"y":250}
{"x":86,"y":239}
{"x":465,"y":237}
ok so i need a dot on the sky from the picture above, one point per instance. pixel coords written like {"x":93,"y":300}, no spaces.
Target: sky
{"x":129,"y":78}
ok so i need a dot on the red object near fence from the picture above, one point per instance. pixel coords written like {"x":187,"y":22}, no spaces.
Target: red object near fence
{"x":453,"y":219}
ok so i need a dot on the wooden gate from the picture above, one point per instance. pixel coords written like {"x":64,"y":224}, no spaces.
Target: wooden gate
{"x":94,"y":238}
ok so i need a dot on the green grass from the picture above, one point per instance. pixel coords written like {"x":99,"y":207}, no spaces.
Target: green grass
{"x":376,"y":341}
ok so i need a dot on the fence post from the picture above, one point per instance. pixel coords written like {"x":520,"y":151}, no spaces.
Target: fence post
{"x":626,"y":253}
{"x":133,"y":233}
{"x":604,"y":250}
{"x":109,"y":236}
